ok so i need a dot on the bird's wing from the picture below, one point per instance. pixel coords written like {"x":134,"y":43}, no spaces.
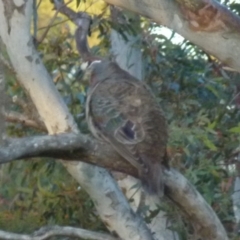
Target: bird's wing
{"x":116,"y":115}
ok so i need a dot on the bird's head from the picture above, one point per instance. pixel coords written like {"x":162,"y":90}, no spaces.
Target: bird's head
{"x":98,"y":70}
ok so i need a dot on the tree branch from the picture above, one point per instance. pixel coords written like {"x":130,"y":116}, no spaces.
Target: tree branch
{"x":67,"y":146}
{"x":47,"y":232}
{"x":205,"y":23}
{"x":48,"y":27}
{"x":16,"y":117}
{"x":83,"y":21}
{"x":29,"y":117}
{"x":73,"y":146}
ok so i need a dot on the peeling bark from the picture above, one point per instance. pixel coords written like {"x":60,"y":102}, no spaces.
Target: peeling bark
{"x":205,"y":23}
{"x":208,"y":16}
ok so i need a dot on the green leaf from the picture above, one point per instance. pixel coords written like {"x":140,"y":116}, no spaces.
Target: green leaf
{"x":208,"y":143}
{"x":78,"y":3}
{"x":212,"y":125}
{"x":213,"y":90}
{"x":235,"y":129}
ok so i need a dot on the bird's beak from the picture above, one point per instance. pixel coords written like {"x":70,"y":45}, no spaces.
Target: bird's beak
{"x":84,"y":66}
{"x":87,"y":71}
{"x":87,"y":68}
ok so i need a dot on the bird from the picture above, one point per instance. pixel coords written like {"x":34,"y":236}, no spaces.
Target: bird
{"x":123,"y":112}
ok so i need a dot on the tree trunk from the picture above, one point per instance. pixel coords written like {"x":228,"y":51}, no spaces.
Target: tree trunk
{"x":111,"y":204}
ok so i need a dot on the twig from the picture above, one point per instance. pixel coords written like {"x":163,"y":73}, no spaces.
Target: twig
{"x":53,"y":25}
{"x":75,"y":17}
{"x":61,"y":7}
{"x":30,"y":113}
{"x":40,"y":40}
{"x":16,"y":117}
{"x":21,"y":103}
{"x":39,"y":3}
{"x":83,"y":22}
{"x":6,"y":64}
{"x":35,"y":19}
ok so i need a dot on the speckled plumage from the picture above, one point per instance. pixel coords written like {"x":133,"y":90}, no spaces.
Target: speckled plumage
{"x":122,"y":111}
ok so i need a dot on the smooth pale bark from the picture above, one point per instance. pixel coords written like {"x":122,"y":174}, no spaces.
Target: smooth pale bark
{"x":205,"y":23}
{"x":56,"y":231}
{"x":113,"y":208}
{"x":236,"y":200}
{"x":127,"y":55}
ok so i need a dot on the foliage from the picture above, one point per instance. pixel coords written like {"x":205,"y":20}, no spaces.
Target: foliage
{"x":200,"y":101}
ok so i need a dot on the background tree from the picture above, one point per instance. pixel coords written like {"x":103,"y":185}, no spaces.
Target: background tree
{"x":200,"y":100}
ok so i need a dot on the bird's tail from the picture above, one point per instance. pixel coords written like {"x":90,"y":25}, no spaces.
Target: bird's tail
{"x":152,"y":180}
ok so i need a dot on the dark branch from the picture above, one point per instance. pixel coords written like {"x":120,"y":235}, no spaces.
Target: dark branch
{"x":83,"y":22}
{"x":29,"y":117}
{"x":61,"y":7}
{"x":66,"y":146}
{"x":81,"y":39}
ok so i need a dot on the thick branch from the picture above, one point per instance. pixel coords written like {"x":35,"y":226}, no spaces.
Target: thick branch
{"x":67,"y":146}
{"x":47,"y":232}
{"x":73,"y":146}
{"x":205,"y":23}
{"x":83,"y":21}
